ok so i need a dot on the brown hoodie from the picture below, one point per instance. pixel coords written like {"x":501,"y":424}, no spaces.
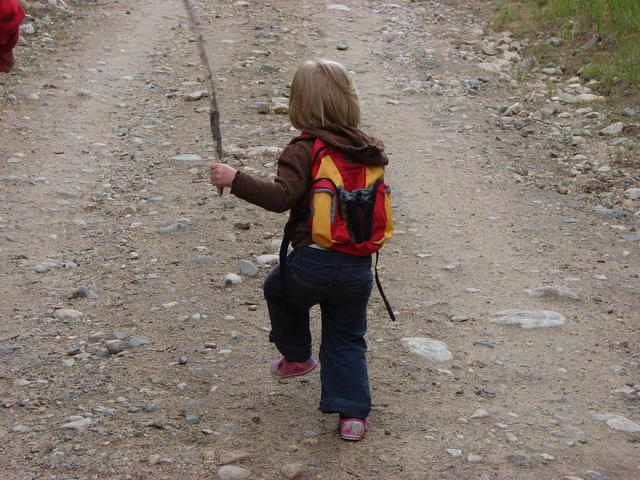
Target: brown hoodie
{"x":290,"y":189}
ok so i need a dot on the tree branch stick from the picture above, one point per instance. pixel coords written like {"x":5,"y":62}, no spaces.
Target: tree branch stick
{"x":214,"y":113}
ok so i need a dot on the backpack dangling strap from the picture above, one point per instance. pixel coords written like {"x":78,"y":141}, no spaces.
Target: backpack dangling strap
{"x":384,"y":298}
{"x":289,"y":228}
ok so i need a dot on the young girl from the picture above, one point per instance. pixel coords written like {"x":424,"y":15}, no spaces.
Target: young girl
{"x":323,"y":103}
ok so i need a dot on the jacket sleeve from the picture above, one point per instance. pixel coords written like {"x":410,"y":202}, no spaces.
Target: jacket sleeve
{"x":286,"y":190}
{"x":11,"y":14}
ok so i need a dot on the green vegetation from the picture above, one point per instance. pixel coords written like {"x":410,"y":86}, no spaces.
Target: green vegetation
{"x":615,"y":22}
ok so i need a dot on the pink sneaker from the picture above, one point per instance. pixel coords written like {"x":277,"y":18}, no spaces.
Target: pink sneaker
{"x":353,"y":428}
{"x":285,"y":369}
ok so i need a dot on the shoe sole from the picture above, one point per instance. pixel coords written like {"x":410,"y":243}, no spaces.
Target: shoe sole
{"x":275,"y":375}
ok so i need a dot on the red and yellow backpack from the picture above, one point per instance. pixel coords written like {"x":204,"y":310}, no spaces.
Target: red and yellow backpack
{"x":349,"y":207}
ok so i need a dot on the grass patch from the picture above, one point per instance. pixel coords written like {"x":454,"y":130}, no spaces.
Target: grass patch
{"x":614,"y":59}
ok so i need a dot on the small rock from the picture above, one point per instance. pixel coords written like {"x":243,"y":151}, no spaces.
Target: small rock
{"x":247,"y":268}
{"x":292,"y":470}
{"x":114,"y":346}
{"x":618,"y":422}
{"x":137,"y":342}
{"x":555,"y":41}
{"x":339,"y":7}
{"x":342,"y":46}
{"x":594,"y":476}
{"x":553,"y":291}
{"x":529,"y":319}
{"x":160,"y":420}
{"x":454,"y":452}
{"x":613,"y":129}
{"x":232,"y":279}
{"x":233,"y":457}
{"x":83,"y":292}
{"x":480,"y":413}
{"x":521,"y":460}
{"x":632,"y":193}
{"x":187,"y":157}
{"x":242,"y":225}
{"x":77,"y":424}
{"x":195,"y":96}
{"x":231,"y":472}
{"x":432,"y":350}
{"x":628,"y":112}
{"x":268,"y":259}
{"x":172,"y":228}
{"x":192,"y":419}
{"x":68,"y":313}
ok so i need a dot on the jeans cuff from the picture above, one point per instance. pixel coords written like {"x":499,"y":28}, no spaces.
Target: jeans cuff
{"x":298,"y":353}
{"x":347,"y":408}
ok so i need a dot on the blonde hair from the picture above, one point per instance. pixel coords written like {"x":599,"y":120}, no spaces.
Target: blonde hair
{"x":323,"y":92}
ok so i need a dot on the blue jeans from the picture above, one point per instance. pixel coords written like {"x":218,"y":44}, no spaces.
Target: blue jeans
{"x":341,"y":284}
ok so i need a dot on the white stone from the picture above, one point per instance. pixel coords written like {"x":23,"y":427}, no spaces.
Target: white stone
{"x":187,"y":157}
{"x":553,"y":291}
{"x":79,"y":424}
{"x":337,"y":6}
{"x":480,"y":413}
{"x":474,"y":458}
{"x":529,"y":319}
{"x":247,"y":268}
{"x":268,"y":259}
{"x":454,"y":452}
{"x":231,"y":472}
{"x":632,"y":193}
{"x":618,"y":422}
{"x":232,"y":279}
{"x":432,"y":350}
{"x":68,"y":313}
{"x":613,"y":129}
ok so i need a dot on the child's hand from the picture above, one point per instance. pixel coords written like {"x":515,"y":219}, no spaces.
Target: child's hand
{"x":221,"y":175}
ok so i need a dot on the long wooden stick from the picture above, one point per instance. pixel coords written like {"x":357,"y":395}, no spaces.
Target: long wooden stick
{"x":214,"y":113}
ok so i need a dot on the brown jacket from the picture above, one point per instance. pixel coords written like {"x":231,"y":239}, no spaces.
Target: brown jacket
{"x":290,"y":189}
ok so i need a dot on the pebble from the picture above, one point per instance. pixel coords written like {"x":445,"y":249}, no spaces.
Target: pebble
{"x":83,"y":292}
{"x":68,"y":313}
{"x":454,"y":452}
{"x":192,"y":419}
{"x":268,"y":259}
{"x":618,"y":422}
{"x":137,"y":342}
{"x":292,"y":470}
{"x":187,"y":157}
{"x":628,"y":112}
{"x":632,"y":193}
{"x":232,"y":279}
{"x":160,"y":420}
{"x":242,"y":225}
{"x":521,"y":460}
{"x":231,"y":472}
{"x":77,"y":423}
{"x":553,"y":291}
{"x":339,"y":7}
{"x":429,"y":349}
{"x":594,"y":476}
{"x":172,"y":228}
{"x":195,"y":96}
{"x":233,"y":457}
{"x":613,"y":129}
{"x":529,"y":319}
{"x":247,"y":268}
{"x":555,"y":41}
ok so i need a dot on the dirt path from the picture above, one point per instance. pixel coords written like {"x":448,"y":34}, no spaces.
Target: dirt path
{"x":125,"y":355}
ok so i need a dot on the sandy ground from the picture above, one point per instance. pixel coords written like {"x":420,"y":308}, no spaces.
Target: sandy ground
{"x":91,"y":127}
